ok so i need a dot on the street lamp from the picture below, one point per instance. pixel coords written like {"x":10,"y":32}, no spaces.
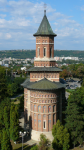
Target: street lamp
{"x":22,"y":134}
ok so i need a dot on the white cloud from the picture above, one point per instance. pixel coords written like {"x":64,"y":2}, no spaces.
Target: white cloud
{"x":8,"y":35}
{"x":2,"y":15}
{"x":82,"y":8}
{"x":24,"y":17}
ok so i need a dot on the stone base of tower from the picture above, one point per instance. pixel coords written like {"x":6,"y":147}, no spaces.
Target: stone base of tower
{"x":35,"y":135}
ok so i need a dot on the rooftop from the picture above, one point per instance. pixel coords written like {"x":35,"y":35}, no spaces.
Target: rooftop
{"x":46,"y":69}
{"x":45,"y":28}
{"x":43,"y":84}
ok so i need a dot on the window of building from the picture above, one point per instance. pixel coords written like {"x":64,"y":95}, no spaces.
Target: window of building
{"x":44,"y":121}
{"x":39,"y":121}
{"x":44,"y":109}
{"x":50,"y":52}
{"x":49,"y":122}
{"x":34,"y":116}
{"x":44,"y":124}
{"x":39,"y":117}
{"x":34,"y":107}
{"x":31,"y":107}
{"x":44,"y":49}
{"x":34,"y":123}
{"x":54,"y":118}
{"x":49,"y":109}
{"x":39,"y":108}
{"x":54,"y":108}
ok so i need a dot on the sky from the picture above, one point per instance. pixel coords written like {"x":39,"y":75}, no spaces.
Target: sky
{"x":20,"y":19}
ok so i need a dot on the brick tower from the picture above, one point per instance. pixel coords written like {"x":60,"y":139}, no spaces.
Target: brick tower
{"x":44,"y":95}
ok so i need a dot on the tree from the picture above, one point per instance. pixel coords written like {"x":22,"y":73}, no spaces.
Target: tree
{"x":14,"y":123}
{"x":43,"y":144}
{"x":64,"y":74}
{"x":5,"y":143}
{"x":75,"y":115}
{"x":3,"y":86}
{"x":6,"y":116}
{"x":61,"y":137}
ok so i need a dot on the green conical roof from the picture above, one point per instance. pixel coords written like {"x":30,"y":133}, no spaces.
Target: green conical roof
{"x":45,"y":28}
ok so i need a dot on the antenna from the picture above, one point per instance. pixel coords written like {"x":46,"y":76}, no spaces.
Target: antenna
{"x":45,"y":8}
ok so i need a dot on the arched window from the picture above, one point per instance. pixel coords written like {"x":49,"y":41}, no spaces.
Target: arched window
{"x":44,"y":121}
{"x":50,"y":52}
{"x":54,"y":118}
{"x":39,"y":122}
{"x":44,"y":109}
{"x":39,"y":117}
{"x":34,"y":116}
{"x":54,"y":108}
{"x":38,"y":51}
{"x":44,"y":49}
{"x":49,"y":109}
{"x":34,"y":107}
{"x":49,"y":122}
{"x":39,"y":108}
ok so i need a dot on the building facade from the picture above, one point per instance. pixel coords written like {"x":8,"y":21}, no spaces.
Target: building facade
{"x":44,"y":95}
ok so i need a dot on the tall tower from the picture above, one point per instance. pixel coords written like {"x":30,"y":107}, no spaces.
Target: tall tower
{"x":44,"y":95}
{"x":44,"y":44}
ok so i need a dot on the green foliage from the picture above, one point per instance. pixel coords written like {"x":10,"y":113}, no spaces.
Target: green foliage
{"x":75,"y":115}
{"x":64,"y":74}
{"x":3,"y":87}
{"x":43,"y":144}
{"x":6,"y":117}
{"x":61,"y":137}
{"x":31,"y":53}
{"x":15,"y":87}
{"x":21,"y":106}
{"x":5,"y":144}
{"x":35,"y":147}
{"x":75,"y":70}
{"x":14,"y":123}
{"x":5,"y":103}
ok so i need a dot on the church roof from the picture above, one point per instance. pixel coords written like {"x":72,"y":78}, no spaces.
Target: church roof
{"x":46,"y":69}
{"x":43,"y":84}
{"x":44,"y":28}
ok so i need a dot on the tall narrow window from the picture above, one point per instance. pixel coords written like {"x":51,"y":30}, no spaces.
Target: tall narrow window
{"x":39,"y":122}
{"x":44,"y":51}
{"x":49,"y":122}
{"x":44,"y":121}
{"x":44,"y":109}
{"x":50,"y":52}
{"x":54,"y":118}
{"x":39,"y":108}
{"x":49,"y":109}
{"x":44,"y":124}
{"x":38,"y":51}
{"x":34,"y":107}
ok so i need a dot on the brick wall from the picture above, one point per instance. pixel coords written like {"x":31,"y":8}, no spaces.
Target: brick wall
{"x":54,"y":76}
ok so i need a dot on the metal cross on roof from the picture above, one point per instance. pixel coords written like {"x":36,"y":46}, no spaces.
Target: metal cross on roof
{"x":45,"y":8}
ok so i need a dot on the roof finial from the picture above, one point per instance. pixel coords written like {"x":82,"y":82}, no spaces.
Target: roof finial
{"x":45,"y":9}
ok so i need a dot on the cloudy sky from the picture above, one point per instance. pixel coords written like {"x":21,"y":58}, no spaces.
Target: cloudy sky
{"x":20,"y":19}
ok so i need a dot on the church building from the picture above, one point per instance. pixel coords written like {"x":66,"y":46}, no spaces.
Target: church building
{"x":44,"y":95}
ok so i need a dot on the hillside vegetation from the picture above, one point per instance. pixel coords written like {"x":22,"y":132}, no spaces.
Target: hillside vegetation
{"x":23,"y":54}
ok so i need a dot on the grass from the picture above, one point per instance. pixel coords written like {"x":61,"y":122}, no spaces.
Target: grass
{"x":70,"y":90}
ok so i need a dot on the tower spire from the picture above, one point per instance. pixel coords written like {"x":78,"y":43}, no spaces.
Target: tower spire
{"x":45,"y":9}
